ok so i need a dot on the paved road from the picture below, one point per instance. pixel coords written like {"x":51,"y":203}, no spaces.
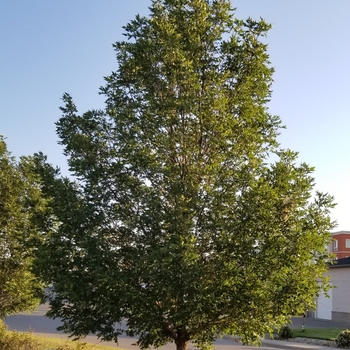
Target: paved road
{"x":38,"y":324}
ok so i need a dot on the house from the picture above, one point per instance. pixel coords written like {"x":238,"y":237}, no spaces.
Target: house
{"x":340,"y":245}
{"x":336,"y":306}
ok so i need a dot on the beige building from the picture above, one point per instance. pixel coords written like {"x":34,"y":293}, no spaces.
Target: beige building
{"x":336,"y":306}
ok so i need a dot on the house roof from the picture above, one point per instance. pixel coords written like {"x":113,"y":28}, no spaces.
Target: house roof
{"x":340,"y":233}
{"x":345,"y":262}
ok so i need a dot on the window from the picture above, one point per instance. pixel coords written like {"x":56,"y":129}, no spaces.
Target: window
{"x":347,"y":243}
{"x":335,"y":245}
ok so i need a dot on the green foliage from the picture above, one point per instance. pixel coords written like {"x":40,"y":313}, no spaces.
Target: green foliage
{"x":186,"y":219}
{"x":22,"y":209}
{"x":285,"y":333}
{"x":15,"y":340}
{"x":12,"y":340}
{"x":343,"y":339}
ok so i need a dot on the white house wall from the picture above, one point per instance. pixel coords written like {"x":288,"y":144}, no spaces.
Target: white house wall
{"x":340,"y":293}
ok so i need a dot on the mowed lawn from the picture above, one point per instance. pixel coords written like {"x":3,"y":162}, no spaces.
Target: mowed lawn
{"x":54,"y":343}
{"x":317,"y":333}
{"x":26,"y":340}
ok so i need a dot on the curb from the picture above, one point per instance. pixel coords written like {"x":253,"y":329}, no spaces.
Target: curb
{"x":280,"y":344}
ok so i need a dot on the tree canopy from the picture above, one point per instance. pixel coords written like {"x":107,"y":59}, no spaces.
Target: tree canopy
{"x":22,"y":209}
{"x":187,"y":218}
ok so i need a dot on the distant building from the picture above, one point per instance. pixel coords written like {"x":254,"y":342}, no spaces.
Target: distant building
{"x":340,"y":245}
{"x":336,"y":304}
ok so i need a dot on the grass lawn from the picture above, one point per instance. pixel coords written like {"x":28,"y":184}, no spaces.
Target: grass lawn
{"x":23,"y":341}
{"x":317,"y":333}
{"x":55,"y":343}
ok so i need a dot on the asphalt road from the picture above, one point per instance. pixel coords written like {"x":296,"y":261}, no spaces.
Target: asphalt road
{"x":37,"y":323}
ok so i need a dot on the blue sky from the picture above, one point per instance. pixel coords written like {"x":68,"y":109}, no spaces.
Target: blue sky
{"x":50,"y":47}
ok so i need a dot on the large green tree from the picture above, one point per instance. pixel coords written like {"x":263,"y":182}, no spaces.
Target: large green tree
{"x":187,"y":218}
{"x":22,"y":214}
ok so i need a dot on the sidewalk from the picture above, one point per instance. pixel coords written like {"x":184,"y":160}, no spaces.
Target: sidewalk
{"x":281,"y":344}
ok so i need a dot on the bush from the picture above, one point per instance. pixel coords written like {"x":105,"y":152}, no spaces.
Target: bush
{"x":285,"y":333}
{"x":15,"y":340}
{"x":12,"y":340}
{"x":343,"y":339}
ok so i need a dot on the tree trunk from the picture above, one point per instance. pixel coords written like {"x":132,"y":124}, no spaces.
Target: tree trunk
{"x":181,"y":344}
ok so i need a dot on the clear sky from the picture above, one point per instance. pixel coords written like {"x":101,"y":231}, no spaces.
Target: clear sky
{"x":50,"y":47}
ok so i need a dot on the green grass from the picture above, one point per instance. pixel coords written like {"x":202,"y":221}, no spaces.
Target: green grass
{"x":19,"y":341}
{"x":56,"y":343}
{"x":317,"y":333}
{"x":10,"y":340}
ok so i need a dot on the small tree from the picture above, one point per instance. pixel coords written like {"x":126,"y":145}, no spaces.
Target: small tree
{"x":21,"y":212}
{"x":180,"y":222}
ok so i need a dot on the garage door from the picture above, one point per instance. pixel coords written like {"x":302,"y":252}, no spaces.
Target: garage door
{"x":324,"y":306}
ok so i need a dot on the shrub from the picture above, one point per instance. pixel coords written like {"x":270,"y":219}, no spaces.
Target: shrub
{"x":15,"y":340}
{"x":12,"y":340}
{"x":343,"y":339}
{"x":285,"y":333}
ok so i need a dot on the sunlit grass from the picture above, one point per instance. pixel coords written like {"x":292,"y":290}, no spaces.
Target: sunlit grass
{"x":317,"y":333}
{"x":24,"y":341}
{"x":58,"y":344}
